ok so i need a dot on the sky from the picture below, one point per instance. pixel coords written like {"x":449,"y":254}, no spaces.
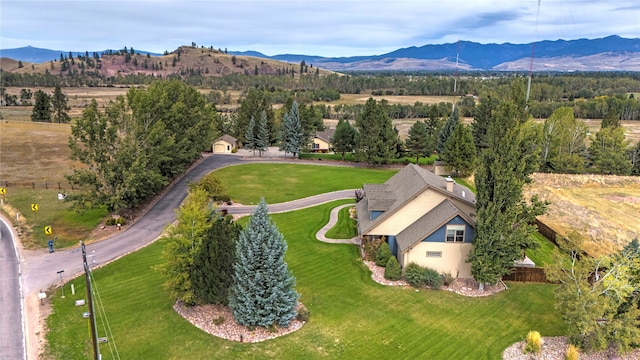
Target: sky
{"x":327,"y":28}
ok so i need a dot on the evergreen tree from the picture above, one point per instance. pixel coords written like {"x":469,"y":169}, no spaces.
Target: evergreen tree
{"x":634,"y":156}
{"x":263,"y":291}
{"x":434,"y":124}
{"x":42,"y":107}
{"x":344,"y":138}
{"x":503,"y":219}
{"x":292,"y":134}
{"x":212,"y":274}
{"x":262,"y":141}
{"x":481,"y":121}
{"x":376,"y":139}
{"x":447,"y":130}
{"x":252,"y":106}
{"x":250,"y":139}
{"x":460,"y":151}
{"x":60,"y":104}
{"x":418,"y":140}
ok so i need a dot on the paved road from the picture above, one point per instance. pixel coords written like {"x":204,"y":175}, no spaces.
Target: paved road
{"x":12,"y":344}
{"x":40,"y":268}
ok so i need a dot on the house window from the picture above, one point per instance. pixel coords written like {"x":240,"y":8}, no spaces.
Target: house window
{"x":455,"y":233}
{"x":316,"y":146}
{"x":434,"y":254}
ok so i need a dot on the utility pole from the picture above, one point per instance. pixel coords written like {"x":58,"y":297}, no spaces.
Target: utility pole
{"x":92,"y":316}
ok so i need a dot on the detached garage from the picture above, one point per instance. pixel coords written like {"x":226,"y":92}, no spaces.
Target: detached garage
{"x":224,"y":144}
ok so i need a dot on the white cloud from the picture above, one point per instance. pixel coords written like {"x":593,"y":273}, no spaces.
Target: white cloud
{"x":329,"y":28}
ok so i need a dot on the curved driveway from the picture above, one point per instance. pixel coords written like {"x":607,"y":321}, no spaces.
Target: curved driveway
{"x":40,"y":268}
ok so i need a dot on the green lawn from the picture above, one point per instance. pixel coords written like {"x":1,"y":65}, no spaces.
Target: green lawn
{"x":345,"y":228}
{"x":284,"y":182}
{"x":543,"y":255}
{"x":352,"y":317}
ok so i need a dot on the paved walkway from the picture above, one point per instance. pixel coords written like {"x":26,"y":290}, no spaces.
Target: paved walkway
{"x":333,"y":219}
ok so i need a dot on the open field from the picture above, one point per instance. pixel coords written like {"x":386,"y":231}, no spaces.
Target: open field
{"x":605,"y":209}
{"x":352,"y":317}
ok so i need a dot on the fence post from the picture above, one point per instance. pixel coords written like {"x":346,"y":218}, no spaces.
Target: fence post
{"x":33,"y":184}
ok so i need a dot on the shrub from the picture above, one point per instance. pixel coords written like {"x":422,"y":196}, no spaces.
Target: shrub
{"x":418,"y":276}
{"x":303,"y":314}
{"x":371,"y":246}
{"x":114,"y":221}
{"x":534,"y":342}
{"x":383,"y":255}
{"x":392,"y":271}
{"x":573,"y":353}
{"x":447,"y":279}
{"x":432,"y":278}
{"x":218,"y":320}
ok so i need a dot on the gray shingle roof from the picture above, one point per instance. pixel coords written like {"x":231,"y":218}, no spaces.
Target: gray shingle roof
{"x":428,"y":223}
{"x":402,"y":187}
{"x":326,"y":135}
{"x":228,"y":138}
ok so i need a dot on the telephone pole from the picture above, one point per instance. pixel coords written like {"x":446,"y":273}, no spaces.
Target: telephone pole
{"x":92,"y":316}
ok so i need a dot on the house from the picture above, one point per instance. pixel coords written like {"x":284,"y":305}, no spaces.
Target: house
{"x":224,"y":144}
{"x":425,"y":218}
{"x":322,"y":140}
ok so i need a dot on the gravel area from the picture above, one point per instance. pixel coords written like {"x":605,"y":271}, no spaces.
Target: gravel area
{"x":205,"y":317}
{"x":465,"y":287}
{"x":554,"y":348}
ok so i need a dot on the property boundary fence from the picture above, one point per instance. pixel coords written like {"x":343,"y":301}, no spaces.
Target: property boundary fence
{"x":38,"y":185}
{"x":527,"y":274}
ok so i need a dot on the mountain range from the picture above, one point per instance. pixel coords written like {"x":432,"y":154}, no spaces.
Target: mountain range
{"x":612,"y":53}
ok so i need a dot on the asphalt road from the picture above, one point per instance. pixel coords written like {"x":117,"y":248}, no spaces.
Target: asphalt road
{"x":12,"y":345}
{"x":40,"y":268}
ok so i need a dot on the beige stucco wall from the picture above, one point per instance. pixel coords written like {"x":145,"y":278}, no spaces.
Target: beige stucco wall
{"x":221,"y":146}
{"x":322,"y":145}
{"x":408,"y":214}
{"x":452,"y":260}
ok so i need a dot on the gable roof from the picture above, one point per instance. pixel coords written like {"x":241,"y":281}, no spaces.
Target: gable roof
{"x":408,"y":183}
{"x":228,"y":138}
{"x":325,"y":135}
{"x":428,"y":223}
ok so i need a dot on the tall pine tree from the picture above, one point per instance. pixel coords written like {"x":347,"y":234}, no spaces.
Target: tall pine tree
{"x":250,"y":141}
{"x":60,"y":104}
{"x":42,"y":107}
{"x":344,"y":138}
{"x":447,"y":130}
{"x":376,"y":140}
{"x":418,"y":140}
{"x":292,"y":133}
{"x":460,"y":151}
{"x":263,"y":291}
{"x":212,"y":274}
{"x":262,"y":140}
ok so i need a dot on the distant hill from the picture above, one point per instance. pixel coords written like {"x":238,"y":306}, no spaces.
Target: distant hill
{"x":612,"y":53}
{"x":37,"y":55}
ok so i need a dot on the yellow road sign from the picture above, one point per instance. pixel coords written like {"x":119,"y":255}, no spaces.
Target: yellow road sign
{"x":3,"y":191}
{"x":48,"y":230}
{"x":34,"y":207}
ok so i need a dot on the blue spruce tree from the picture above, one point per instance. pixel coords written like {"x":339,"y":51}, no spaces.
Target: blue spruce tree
{"x":263,"y":291}
{"x":262,"y":140}
{"x":292,"y":134}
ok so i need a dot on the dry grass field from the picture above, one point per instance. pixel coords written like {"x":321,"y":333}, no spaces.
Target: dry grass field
{"x":605,"y":210}
{"x":34,"y":152}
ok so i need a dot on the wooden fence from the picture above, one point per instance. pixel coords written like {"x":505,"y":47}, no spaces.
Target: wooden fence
{"x":526,"y":274}
{"x":38,"y":185}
